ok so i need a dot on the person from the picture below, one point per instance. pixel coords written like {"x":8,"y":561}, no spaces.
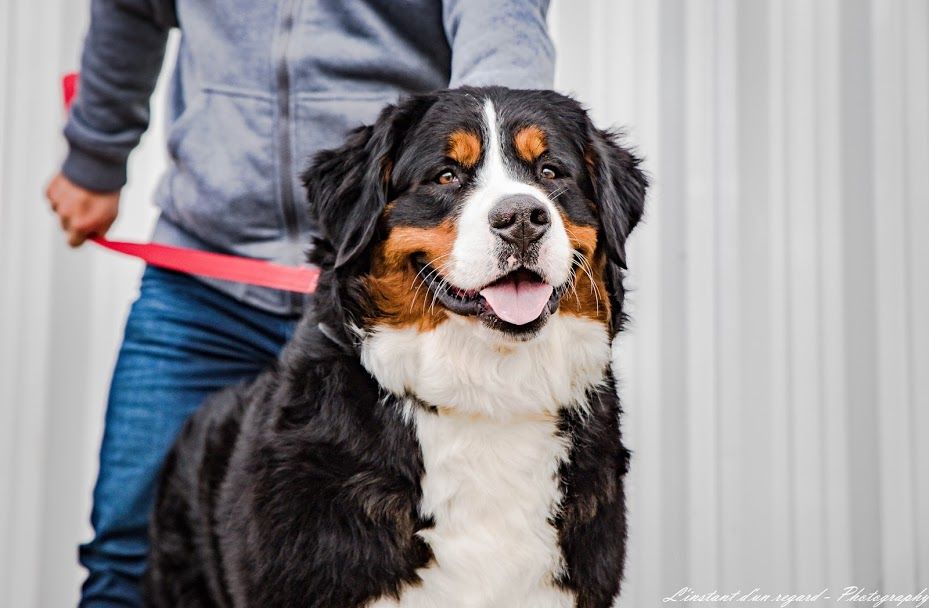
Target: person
{"x":257,"y":89}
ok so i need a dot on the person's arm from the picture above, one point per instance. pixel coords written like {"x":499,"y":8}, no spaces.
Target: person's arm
{"x":499,"y":42}
{"x":122,"y":56}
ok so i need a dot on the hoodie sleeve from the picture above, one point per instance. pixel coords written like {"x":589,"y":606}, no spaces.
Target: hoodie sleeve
{"x":499,"y":42}
{"x":123,"y":52}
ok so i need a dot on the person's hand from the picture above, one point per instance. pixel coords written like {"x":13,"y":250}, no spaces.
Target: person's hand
{"x":83,"y":213}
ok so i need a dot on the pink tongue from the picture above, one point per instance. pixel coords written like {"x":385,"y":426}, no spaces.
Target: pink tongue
{"x":518,"y":303}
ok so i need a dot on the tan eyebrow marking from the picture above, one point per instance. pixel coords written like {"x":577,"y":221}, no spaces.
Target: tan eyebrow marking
{"x":464,"y":147}
{"x":530,"y":143}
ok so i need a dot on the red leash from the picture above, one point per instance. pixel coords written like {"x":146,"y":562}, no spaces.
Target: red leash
{"x":204,"y":263}
{"x":219,"y":266}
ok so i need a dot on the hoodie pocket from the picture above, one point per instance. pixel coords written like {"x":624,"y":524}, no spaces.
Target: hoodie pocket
{"x":323,"y":121}
{"x":222,"y":183}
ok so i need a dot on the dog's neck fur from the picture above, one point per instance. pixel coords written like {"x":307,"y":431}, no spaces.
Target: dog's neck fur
{"x":464,"y":368}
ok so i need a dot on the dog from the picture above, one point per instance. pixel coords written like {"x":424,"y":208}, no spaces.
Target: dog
{"x":443,"y":429}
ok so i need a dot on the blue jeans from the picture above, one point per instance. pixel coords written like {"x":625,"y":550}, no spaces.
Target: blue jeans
{"x":183,"y":341}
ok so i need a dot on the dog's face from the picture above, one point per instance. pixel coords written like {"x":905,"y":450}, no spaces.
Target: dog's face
{"x":503,"y":207}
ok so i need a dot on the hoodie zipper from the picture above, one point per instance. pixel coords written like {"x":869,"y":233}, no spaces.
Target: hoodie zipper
{"x":285,"y":157}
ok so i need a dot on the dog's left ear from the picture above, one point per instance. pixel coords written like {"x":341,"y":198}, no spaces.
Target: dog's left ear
{"x":618,"y":189}
{"x":348,"y":187}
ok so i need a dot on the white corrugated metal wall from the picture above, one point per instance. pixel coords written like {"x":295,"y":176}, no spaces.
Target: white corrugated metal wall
{"x":61,"y":312}
{"x":776,"y":372}
{"x":775,"y":375}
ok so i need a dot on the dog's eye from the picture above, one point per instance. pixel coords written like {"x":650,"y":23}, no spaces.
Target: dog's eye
{"x":549,"y":172}
{"x":446,"y":177}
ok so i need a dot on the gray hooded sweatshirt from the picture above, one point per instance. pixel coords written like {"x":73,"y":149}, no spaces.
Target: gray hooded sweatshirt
{"x":260,"y":86}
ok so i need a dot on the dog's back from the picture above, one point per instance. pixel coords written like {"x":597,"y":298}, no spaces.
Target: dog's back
{"x":185,"y":567}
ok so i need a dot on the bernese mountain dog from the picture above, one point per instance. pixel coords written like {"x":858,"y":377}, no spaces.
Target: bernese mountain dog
{"x":443,"y":429}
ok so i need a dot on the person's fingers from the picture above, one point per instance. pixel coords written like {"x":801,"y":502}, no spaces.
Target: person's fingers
{"x":52,"y":194}
{"x":104,"y":227}
{"x":76,"y":238}
{"x":71,"y":217}
{"x":86,"y":226}
{"x":80,"y":230}
{"x":81,"y":213}
{"x":95,"y":221}
{"x":65,"y":208}
{"x":52,"y":188}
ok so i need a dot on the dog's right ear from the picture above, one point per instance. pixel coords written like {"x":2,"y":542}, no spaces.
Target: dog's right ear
{"x":347,"y":187}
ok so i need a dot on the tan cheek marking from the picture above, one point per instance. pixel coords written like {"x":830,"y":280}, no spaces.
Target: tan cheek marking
{"x":400,"y":297}
{"x":530,"y":143}
{"x":588,"y":298}
{"x":464,"y":147}
{"x":591,"y":161}
{"x":387,"y":172}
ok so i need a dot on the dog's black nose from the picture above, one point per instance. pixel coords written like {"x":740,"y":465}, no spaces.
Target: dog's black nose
{"x":520,"y":219}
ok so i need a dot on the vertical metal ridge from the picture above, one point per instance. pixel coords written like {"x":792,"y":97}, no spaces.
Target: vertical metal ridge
{"x":890,"y":131}
{"x":916,"y":57}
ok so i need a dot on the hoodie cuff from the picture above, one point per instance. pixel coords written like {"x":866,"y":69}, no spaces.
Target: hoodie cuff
{"x":94,"y":173}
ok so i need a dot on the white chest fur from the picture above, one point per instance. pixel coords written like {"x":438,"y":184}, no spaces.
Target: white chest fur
{"x":491,"y":454}
{"x":491,"y":489}
{"x":466,"y":367}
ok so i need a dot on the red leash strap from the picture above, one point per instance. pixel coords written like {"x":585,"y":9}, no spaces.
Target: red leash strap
{"x":219,"y":266}
{"x":203,"y":263}
{"x":69,"y":88}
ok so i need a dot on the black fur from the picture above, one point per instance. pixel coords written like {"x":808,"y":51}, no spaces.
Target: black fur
{"x":302,"y":488}
{"x":592,"y":522}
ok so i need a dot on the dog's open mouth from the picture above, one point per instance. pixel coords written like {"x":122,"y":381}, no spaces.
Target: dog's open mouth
{"x":518,"y":302}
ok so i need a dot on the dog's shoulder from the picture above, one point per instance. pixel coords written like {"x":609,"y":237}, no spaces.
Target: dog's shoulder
{"x":326,"y":471}
{"x":592,"y":521}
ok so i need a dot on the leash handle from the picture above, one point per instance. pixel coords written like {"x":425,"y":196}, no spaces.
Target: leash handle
{"x":301,"y":279}
{"x":69,"y":84}
{"x":204,"y":263}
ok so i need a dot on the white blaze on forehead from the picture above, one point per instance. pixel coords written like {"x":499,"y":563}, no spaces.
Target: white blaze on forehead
{"x":494,"y":172}
{"x":475,"y":254}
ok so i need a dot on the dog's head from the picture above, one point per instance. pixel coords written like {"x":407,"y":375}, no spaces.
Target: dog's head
{"x":497,"y":206}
